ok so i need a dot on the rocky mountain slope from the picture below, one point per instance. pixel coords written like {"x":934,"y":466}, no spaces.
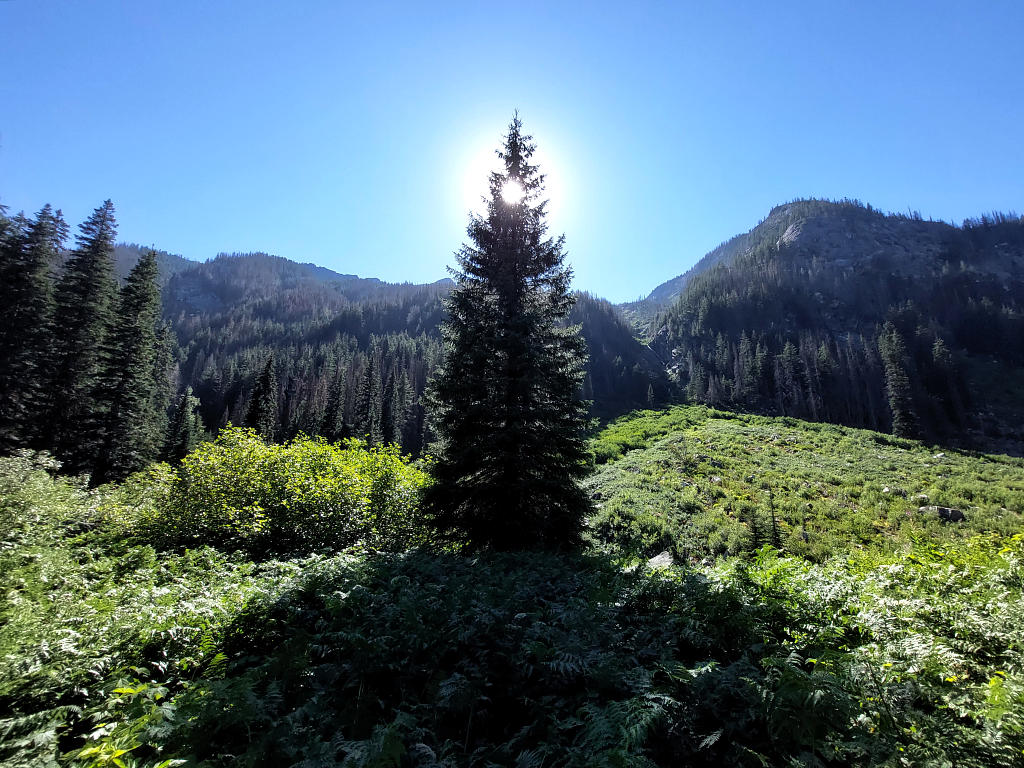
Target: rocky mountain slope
{"x":834,"y":311}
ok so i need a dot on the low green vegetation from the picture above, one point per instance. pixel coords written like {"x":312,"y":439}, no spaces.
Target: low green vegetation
{"x":265,"y":605}
{"x":700,"y":483}
{"x":239,"y":492}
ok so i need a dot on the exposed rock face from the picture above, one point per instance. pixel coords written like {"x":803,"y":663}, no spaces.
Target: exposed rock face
{"x":845,"y":236}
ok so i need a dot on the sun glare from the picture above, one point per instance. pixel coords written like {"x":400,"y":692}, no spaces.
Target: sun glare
{"x":480,"y":161}
{"x":512,"y":191}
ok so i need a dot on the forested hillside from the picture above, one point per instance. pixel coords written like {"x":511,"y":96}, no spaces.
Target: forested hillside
{"x":825,"y":311}
{"x":836,"y":312}
{"x":352,"y":356}
{"x":127,"y":255}
{"x":349,"y":355}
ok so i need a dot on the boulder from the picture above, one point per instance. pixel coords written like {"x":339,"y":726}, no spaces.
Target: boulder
{"x":664,"y":560}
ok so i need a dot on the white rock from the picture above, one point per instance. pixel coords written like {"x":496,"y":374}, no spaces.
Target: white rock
{"x":664,"y":560}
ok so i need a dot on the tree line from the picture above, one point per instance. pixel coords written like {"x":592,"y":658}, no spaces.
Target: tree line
{"x":85,"y":361}
{"x":101,"y":370}
{"x":352,"y":358}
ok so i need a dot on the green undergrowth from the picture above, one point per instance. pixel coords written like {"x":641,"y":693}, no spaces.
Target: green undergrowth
{"x":122,"y":650}
{"x":241,"y":493}
{"x":702,"y":483}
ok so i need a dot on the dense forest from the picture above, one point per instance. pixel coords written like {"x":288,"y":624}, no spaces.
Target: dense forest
{"x":824,"y":311}
{"x":245,"y":339}
{"x":352,"y":356}
{"x":836,"y":312}
{"x":85,"y":361}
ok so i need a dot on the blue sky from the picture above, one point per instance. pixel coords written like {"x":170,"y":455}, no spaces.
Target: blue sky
{"x":356,"y":135}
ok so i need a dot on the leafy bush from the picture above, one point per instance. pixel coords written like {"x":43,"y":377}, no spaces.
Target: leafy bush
{"x":239,"y":492}
{"x":31,"y":497}
{"x":83,"y":614}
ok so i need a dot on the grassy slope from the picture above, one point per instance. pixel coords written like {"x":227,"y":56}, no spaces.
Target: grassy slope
{"x":702,"y":482}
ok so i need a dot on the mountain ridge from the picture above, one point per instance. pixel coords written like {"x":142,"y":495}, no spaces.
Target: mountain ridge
{"x":779,"y":225}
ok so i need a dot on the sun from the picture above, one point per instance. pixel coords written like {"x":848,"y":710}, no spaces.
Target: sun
{"x":512,"y":191}
{"x":478,"y":161}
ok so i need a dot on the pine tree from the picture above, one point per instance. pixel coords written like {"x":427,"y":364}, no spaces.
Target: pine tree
{"x":788,"y":381}
{"x":371,"y":405}
{"x":262,"y":413}
{"x":165,"y":382}
{"x":505,"y":402}
{"x":897,"y":382}
{"x":745,"y":387}
{"x":29,"y":252}
{"x":397,"y":401}
{"x":334,"y":415}
{"x":85,"y":299}
{"x":185,"y":429}
{"x":130,"y":390}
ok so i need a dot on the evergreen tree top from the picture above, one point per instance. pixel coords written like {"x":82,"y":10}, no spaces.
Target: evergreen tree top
{"x":99,"y":230}
{"x":510,"y":253}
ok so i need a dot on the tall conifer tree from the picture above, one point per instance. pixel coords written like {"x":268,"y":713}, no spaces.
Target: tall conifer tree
{"x":29,"y":252}
{"x":371,"y":402}
{"x":85,"y":299}
{"x":334,"y":413}
{"x":505,"y":402}
{"x":893,"y":350}
{"x":262,"y":414}
{"x":185,"y":429}
{"x":129,"y":391}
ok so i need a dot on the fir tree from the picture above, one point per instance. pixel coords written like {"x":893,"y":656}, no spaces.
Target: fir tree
{"x":185,"y":429}
{"x":85,"y":298}
{"x":130,"y":389}
{"x":505,"y":401}
{"x":334,"y":415}
{"x":262,"y":413}
{"x":788,"y":381}
{"x":371,"y":405}
{"x":397,"y":401}
{"x":165,"y":381}
{"x":897,"y":382}
{"x":29,"y":252}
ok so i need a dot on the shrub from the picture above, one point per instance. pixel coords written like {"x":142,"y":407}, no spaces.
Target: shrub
{"x":32,"y":497}
{"x":239,"y":492}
